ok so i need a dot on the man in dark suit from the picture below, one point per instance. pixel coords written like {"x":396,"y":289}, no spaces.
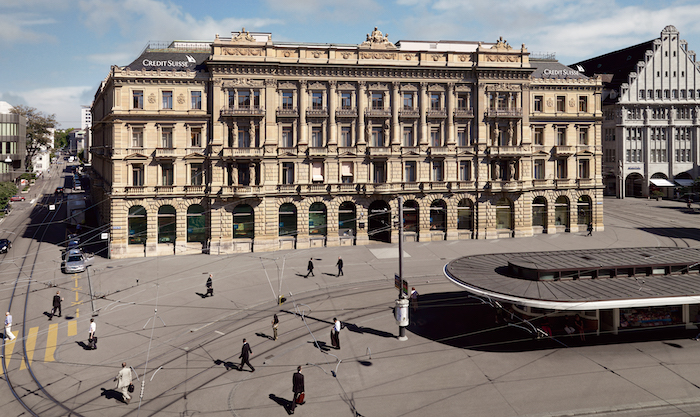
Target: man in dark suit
{"x":245,"y":356}
{"x":310,"y":268}
{"x":297,"y":387}
{"x":56,"y":304}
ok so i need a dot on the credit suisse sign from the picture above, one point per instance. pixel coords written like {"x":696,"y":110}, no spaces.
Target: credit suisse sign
{"x":169,"y":63}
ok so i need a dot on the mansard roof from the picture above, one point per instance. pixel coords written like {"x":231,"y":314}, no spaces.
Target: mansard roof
{"x":552,"y":69}
{"x":618,"y":63}
{"x":170,"y":60}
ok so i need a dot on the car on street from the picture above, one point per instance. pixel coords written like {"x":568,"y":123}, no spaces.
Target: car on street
{"x":74,"y":261}
{"x":77,"y":186}
{"x":59,"y":190}
{"x":16,"y":198}
{"x":73,"y":243}
{"x":5,"y":245}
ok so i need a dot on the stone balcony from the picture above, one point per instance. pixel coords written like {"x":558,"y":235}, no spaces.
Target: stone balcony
{"x":169,"y":153}
{"x":248,"y":111}
{"x":586,"y":182}
{"x":436,"y":113}
{"x":318,"y":151}
{"x":381,"y":113}
{"x":318,"y":112}
{"x":504,"y":113}
{"x":464,"y":113}
{"x":346,"y":112}
{"x":409,"y":113}
{"x":507,"y":151}
{"x":287,"y":112}
{"x":560,"y":150}
{"x":440,"y":151}
{"x":241,"y":190}
{"x":242,"y":152}
{"x":379,"y":151}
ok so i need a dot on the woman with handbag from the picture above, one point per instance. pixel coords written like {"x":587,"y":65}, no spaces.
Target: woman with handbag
{"x":275,"y":325}
{"x":298,"y":389}
{"x":124,"y":385}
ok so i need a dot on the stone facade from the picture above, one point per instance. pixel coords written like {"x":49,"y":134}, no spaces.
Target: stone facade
{"x":244,"y":144}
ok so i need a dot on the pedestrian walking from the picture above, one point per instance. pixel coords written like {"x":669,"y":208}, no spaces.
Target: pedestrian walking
{"x":56,"y":304}
{"x":92,"y":340}
{"x":8,"y":326}
{"x":335,"y":333}
{"x":310,"y":268}
{"x":123,"y":379}
{"x":339,"y":264}
{"x":245,"y":356}
{"x":590,"y":229}
{"x":210,"y":287}
{"x":578,"y":323}
{"x":297,"y":389}
{"x":275,"y":325}
{"x":414,"y":299}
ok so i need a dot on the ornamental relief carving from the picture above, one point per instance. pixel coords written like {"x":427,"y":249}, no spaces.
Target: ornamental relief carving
{"x":316,"y":86}
{"x":378,"y":86}
{"x":572,"y":103}
{"x":410,"y":57}
{"x":243,"y":36}
{"x":288,"y":54}
{"x":501,"y":58}
{"x":436,"y":87}
{"x":152,"y":98}
{"x":503,"y":87}
{"x":464,"y":58}
{"x":347,"y":55}
{"x":286,"y":86}
{"x":409,"y":87}
{"x":318,"y":54}
{"x":378,"y":40}
{"x":181,"y":99}
{"x":502,"y":44}
{"x":242,"y":51}
{"x":242,"y":82}
{"x":550,"y":102}
{"x":378,"y":55}
{"x":436,"y":57}
{"x":346,"y":86}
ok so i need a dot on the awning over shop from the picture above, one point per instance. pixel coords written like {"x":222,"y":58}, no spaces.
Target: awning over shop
{"x":660,"y":182}
{"x":684,"y":182}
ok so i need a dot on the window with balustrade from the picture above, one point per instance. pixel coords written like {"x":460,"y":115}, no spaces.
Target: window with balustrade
{"x":408,"y":136}
{"x":167,"y":174}
{"x":583,"y":135}
{"x":584,"y":168}
{"x":377,"y":101}
{"x":409,"y":171}
{"x":379,"y":171}
{"x":438,"y":170}
{"x":435,"y":102}
{"x":317,"y":100}
{"x":408,"y":101}
{"x":561,"y":168}
{"x":346,"y":136}
{"x":137,"y":137}
{"x":287,"y":100}
{"x":196,"y":137}
{"x":317,"y":137}
{"x":166,"y":135}
{"x":465,"y":170}
{"x":287,"y":137}
{"x":346,"y":100}
{"x":435,"y":137}
{"x":137,"y":175}
{"x":196,"y":174}
{"x":561,"y":136}
{"x":288,"y":173}
{"x":377,"y":137}
{"x":538,"y":169}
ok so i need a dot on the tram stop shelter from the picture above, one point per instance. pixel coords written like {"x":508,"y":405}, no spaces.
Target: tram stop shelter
{"x":611,"y":289}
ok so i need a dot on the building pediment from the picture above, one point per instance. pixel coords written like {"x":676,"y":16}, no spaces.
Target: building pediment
{"x":194,"y":155}
{"x":135,"y":156}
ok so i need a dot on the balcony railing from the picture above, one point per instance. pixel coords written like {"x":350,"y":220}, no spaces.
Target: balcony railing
{"x":169,"y":152}
{"x":464,"y":113}
{"x":439,"y":150}
{"x":411,"y":186}
{"x":322,"y":112}
{"x":241,"y":152}
{"x":436,"y":113}
{"x":318,"y":151}
{"x":240,"y":190}
{"x":515,"y":112}
{"x":564,"y":150}
{"x":436,"y":186}
{"x":378,"y":113}
{"x":194,"y":189}
{"x":286,"y":151}
{"x":287,"y":188}
{"x":345,"y":188}
{"x":379,"y":151}
{"x":252,"y":111}
{"x":135,"y":190}
{"x":463,"y":186}
{"x":199,"y":150}
{"x":541,"y":183}
{"x":409,"y":113}
{"x":346,"y":112}
{"x":508,"y":150}
{"x":316,"y":188}
{"x":586,"y":182}
{"x":287,"y":112}
{"x":405,"y":150}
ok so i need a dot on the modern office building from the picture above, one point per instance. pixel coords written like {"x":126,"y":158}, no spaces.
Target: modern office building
{"x":244,"y":144}
{"x":85,"y":118}
{"x":651,"y":108}
{"x":13,"y":143}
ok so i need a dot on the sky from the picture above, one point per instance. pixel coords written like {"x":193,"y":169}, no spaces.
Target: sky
{"x":54,"y":54}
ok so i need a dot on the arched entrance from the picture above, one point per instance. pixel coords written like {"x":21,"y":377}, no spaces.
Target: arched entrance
{"x":583,"y":209}
{"x":379,"y":222}
{"x":634,"y":184}
{"x":317,"y":219}
{"x":137,"y":225}
{"x":539,"y":215}
{"x":243,"y":222}
{"x":561,"y":212}
{"x":465,"y":215}
{"x":166,"y":224}
{"x":346,"y":219}
{"x":504,"y":215}
{"x":410,"y":216}
{"x":438,"y":215}
{"x":196,"y":224}
{"x":288,"y":220}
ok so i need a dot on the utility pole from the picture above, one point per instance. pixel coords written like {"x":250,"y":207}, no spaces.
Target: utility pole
{"x":401,"y":309}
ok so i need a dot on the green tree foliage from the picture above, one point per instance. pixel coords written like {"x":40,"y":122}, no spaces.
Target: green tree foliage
{"x":61,"y":138}
{"x":38,"y":125}
{"x":7,"y":190}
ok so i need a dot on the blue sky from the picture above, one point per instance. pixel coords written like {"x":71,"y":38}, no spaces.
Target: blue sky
{"x":55,"y":53}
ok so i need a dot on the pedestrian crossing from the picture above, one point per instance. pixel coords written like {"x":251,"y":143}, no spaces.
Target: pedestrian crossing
{"x":33,"y":336}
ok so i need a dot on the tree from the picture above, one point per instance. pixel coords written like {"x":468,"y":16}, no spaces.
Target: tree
{"x":61,"y":138}
{"x":38,"y":125}
{"x":7,"y":190}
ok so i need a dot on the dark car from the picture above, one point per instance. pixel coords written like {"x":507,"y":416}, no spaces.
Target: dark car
{"x":59,"y":190}
{"x":5,"y":245}
{"x":16,"y":198}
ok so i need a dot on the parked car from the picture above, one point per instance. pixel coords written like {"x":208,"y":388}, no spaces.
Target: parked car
{"x":59,"y":190}
{"x":5,"y":245}
{"x":73,"y":243}
{"x":16,"y":198}
{"x":77,"y":186}
{"x":74,"y":260}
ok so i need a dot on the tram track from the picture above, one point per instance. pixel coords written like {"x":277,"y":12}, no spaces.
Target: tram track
{"x":679,"y":236}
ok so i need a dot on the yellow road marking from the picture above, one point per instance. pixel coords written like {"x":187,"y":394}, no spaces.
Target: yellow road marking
{"x":31,"y":343}
{"x":51,"y":340}
{"x":73,"y":327}
{"x":76,"y":296}
{"x":77,"y":313}
{"x":9,"y":347}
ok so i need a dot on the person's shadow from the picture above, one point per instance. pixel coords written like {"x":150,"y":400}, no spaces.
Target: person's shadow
{"x":201,"y":295}
{"x":227,"y":364}
{"x":83,"y":345}
{"x":283,"y":402}
{"x":112,"y":394}
{"x":321,"y":345}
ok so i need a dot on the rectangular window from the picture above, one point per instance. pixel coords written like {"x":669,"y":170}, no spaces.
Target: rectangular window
{"x":463,"y":101}
{"x":288,"y":100}
{"x":196,"y":100}
{"x":287,"y":137}
{"x":379,"y":172}
{"x":346,"y":101}
{"x":137,"y":102}
{"x":243,"y":99}
{"x":434,"y":101}
{"x":537,"y":107}
{"x":437,"y":171}
{"x":408,"y":101}
{"x":346,"y":172}
{"x":167,"y":173}
{"x":196,"y":174}
{"x":137,"y":175}
{"x":583,"y":136}
{"x":243,"y":138}
{"x":538,"y":169}
{"x":584,"y":168}
{"x":317,"y":172}
{"x":243,"y":173}
{"x":462,"y":138}
{"x":287,"y":172}
{"x":167,"y":100}
{"x":137,"y":137}
{"x":408,"y":136}
{"x":167,"y":137}
{"x":317,"y":100}
{"x":377,"y":137}
{"x":435,"y":139}
{"x":561,"y":103}
{"x":345,"y":136}
{"x":465,"y":170}
{"x":583,"y":104}
{"x":378,"y":101}
{"x":641,"y":94}
{"x":561,"y":136}
{"x":196,"y":137}
{"x":316,"y":137}
{"x":409,"y":171}
{"x":561,"y":168}
{"x":539,"y":136}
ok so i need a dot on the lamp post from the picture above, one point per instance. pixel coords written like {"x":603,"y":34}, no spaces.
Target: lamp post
{"x":401,"y":309}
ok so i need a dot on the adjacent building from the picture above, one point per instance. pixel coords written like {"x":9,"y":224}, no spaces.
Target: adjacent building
{"x":244,"y":144}
{"x":651,"y":110}
{"x":13,"y":143}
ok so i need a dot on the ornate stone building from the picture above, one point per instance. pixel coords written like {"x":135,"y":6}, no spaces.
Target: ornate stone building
{"x":651,"y":109}
{"x":245,"y":144}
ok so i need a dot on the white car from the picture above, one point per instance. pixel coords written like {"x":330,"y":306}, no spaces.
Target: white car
{"x":75,"y":261}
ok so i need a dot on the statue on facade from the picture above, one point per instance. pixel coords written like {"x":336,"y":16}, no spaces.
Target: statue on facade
{"x":376,"y":38}
{"x":511,"y":170}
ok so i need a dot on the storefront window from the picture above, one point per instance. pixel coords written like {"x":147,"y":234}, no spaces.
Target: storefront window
{"x":166,"y":224}
{"x":317,"y":219}
{"x":137,"y":225}
{"x":288,"y":220}
{"x":243,"y":222}
{"x":410,"y":216}
{"x":196,"y":224}
{"x":650,"y":316}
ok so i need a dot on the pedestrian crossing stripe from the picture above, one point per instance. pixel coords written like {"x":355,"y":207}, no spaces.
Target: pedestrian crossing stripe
{"x":31,"y":341}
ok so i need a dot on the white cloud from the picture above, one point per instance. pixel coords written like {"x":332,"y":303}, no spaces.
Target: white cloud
{"x":64,"y":102}
{"x":22,"y":27}
{"x":347,"y":12}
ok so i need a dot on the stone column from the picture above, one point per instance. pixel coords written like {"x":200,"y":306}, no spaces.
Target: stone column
{"x":423,"y":140}
{"x":303,"y":127}
{"x":268,"y":101}
{"x":332,"y":100}
{"x":395,"y":102}
{"x":361,"y":100}
{"x":450,"y":113}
